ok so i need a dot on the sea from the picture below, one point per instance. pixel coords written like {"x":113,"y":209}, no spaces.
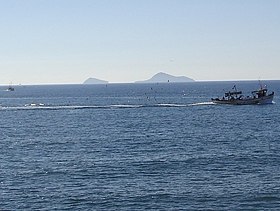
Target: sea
{"x":138,"y":147}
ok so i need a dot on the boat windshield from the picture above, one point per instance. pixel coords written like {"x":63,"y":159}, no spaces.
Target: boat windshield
{"x":227,"y":94}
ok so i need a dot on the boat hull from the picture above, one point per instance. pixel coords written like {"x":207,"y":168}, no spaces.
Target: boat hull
{"x":249,"y":101}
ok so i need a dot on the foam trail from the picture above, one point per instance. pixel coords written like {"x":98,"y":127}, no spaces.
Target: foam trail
{"x":126,"y":106}
{"x":202,"y":103}
{"x":170,"y":105}
{"x":121,"y":106}
{"x":66,"y":107}
{"x":44,"y":107}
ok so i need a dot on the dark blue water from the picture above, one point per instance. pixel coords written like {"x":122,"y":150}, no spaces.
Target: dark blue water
{"x":138,"y":147}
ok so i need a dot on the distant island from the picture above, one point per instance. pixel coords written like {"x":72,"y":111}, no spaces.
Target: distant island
{"x":166,"y":78}
{"x":157,"y":78}
{"x":95,"y":81}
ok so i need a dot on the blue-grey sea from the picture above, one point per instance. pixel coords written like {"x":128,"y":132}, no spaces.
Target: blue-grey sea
{"x":138,"y":147}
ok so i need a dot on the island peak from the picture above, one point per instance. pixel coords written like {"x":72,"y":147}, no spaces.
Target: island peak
{"x":95,"y":81}
{"x":162,"y":77}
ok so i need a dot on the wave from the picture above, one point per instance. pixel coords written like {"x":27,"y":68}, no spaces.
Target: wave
{"x":41,"y":106}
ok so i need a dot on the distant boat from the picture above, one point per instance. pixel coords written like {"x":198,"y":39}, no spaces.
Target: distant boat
{"x":260,"y":96}
{"x":10,"y":88}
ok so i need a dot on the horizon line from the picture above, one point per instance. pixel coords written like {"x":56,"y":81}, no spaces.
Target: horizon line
{"x":135,"y":82}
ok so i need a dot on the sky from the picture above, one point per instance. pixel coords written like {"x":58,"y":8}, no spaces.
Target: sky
{"x":122,"y":41}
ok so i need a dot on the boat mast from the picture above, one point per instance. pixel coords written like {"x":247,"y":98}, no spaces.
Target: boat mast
{"x":234,"y":87}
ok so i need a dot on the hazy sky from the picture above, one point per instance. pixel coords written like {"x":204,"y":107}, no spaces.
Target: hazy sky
{"x":67,"y":41}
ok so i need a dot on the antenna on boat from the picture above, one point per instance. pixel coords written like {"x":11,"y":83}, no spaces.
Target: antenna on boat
{"x":234,"y":87}
{"x":260,"y":83}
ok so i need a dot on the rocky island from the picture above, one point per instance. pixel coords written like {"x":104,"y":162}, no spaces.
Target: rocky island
{"x":157,"y":78}
{"x":166,"y":78}
{"x":95,"y":81}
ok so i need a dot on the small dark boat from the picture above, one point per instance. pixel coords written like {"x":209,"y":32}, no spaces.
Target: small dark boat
{"x":10,"y":88}
{"x":260,"y":96}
